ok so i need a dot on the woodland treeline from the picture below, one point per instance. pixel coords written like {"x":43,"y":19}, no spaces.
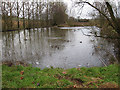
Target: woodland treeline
{"x":26,"y":15}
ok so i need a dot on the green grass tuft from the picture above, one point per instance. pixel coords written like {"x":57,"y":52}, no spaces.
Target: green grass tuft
{"x":34,"y":77}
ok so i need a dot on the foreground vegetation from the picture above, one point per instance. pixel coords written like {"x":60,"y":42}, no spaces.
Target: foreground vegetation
{"x":33,"y":77}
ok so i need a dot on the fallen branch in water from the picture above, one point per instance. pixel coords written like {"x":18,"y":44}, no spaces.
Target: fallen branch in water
{"x":103,"y":62}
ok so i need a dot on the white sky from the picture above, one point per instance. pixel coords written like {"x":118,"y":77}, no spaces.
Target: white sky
{"x":75,"y":10}
{"x":86,"y":10}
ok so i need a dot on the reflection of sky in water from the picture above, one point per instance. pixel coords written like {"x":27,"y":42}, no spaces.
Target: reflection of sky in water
{"x":66,"y":47}
{"x":0,"y":46}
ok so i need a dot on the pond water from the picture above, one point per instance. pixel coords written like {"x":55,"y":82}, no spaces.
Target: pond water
{"x":64,"y":47}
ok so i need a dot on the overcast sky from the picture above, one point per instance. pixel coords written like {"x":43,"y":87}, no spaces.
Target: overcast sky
{"x":86,"y":9}
{"x":75,"y":11}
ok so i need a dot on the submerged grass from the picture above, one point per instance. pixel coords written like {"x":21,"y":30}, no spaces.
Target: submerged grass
{"x":33,"y":77}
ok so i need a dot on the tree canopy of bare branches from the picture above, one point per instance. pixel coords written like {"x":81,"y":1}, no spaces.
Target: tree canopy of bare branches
{"x":35,"y":14}
{"x":111,"y":18}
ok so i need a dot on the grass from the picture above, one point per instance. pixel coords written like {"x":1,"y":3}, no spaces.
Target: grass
{"x":76,"y":24}
{"x":33,"y":77}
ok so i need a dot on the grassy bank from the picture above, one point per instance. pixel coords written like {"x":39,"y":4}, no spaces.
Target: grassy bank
{"x":76,"y":24}
{"x":11,"y":24}
{"x":32,"y":77}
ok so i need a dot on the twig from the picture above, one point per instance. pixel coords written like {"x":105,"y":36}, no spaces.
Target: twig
{"x":103,"y":62}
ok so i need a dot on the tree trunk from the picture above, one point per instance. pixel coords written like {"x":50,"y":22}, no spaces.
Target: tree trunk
{"x":28,"y":16}
{"x":33,"y":15}
{"x":40,"y":7}
{"x":37,"y":15}
{"x":11,"y":16}
{"x":47,"y":22}
{"x":114,"y":20}
{"x":114,"y":23}
{"x":3,"y":16}
{"x":18,"y":15}
{"x":23,"y":16}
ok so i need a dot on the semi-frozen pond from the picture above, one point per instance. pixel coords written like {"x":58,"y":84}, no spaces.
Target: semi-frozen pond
{"x":64,"y":47}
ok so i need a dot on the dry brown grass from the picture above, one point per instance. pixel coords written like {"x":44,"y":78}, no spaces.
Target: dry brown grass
{"x":109,"y":85}
{"x":75,"y":24}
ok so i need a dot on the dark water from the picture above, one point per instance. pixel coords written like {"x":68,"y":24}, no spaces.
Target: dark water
{"x":64,"y":47}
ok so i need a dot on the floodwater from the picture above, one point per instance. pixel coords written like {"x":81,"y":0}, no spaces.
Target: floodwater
{"x":64,"y":47}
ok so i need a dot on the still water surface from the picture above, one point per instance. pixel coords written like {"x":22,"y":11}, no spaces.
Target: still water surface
{"x":64,"y":47}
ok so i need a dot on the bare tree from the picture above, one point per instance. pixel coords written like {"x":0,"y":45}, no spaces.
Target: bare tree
{"x":10,"y":15}
{"x":33,"y":20}
{"x":58,"y":10}
{"x":28,"y":9}
{"x":18,"y":15}
{"x":4,"y":16}
{"x":36,"y":14}
{"x":23,"y":15}
{"x":112,"y":20}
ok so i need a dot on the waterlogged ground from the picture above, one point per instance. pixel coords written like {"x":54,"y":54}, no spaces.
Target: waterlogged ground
{"x":65,"y":47}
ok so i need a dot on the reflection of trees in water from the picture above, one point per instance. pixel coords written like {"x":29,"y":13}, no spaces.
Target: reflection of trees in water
{"x":8,"y":49}
{"x":32,"y":44}
{"x":13,"y":47}
{"x":105,"y":49}
{"x":117,"y":49}
{"x":20,"y":44}
{"x":5,"y":43}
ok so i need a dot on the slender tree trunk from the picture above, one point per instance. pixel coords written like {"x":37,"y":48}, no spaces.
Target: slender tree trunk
{"x":40,"y":6}
{"x":11,"y":16}
{"x":18,"y":15}
{"x":23,"y":16}
{"x":114,"y":20}
{"x":3,"y":18}
{"x":47,"y":22}
{"x":33,"y":14}
{"x":7,"y":18}
{"x":28,"y":16}
{"x":37,"y":15}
